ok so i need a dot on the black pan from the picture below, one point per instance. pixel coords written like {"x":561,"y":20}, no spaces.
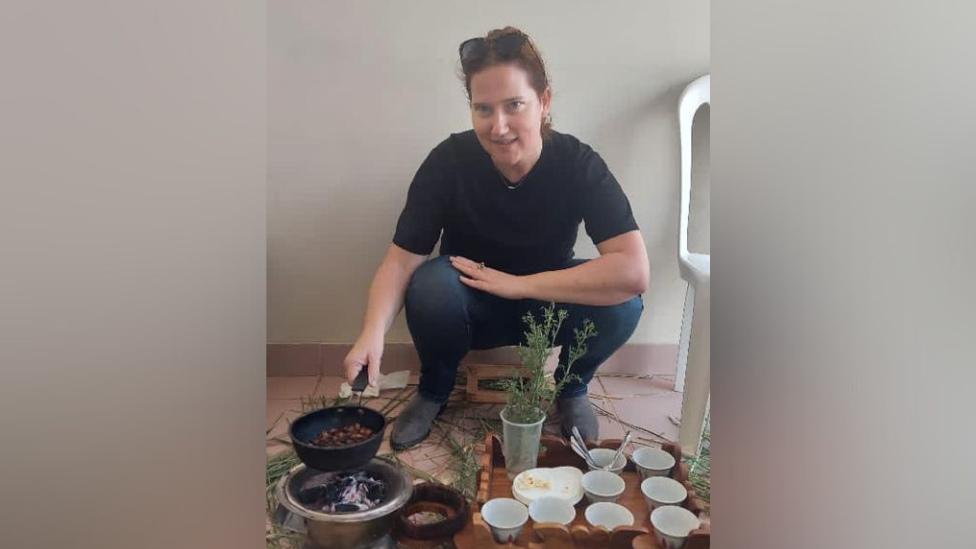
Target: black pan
{"x":339,"y":458}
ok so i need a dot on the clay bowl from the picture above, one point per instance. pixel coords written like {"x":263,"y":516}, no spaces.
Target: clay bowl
{"x":436,"y":498}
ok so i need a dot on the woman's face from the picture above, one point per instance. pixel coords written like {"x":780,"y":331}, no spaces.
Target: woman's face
{"x":507,"y":115}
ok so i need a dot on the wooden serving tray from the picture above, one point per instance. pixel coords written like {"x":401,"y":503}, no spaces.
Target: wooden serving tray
{"x":493,"y":483}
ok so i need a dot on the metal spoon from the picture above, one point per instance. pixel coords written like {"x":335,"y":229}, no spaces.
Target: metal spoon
{"x":582,"y":444}
{"x":619,"y":450}
{"x":572,"y":444}
{"x":581,"y":452}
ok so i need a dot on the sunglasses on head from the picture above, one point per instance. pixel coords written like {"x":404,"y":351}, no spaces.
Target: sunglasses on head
{"x":506,"y":46}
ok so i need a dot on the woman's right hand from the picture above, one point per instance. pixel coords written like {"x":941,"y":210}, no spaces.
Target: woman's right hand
{"x":367,"y":352}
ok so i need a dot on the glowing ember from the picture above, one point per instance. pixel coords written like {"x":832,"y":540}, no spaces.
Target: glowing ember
{"x":343,"y":492}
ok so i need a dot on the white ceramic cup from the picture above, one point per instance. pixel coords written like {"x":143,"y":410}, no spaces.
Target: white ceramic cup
{"x":602,"y":486}
{"x":672,"y":525}
{"x":652,"y":462}
{"x":608,"y":515}
{"x":660,"y":491}
{"x":550,"y":509}
{"x":505,"y":517}
{"x":602,"y":457}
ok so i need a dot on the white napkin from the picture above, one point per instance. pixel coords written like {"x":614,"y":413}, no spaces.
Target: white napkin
{"x":395,"y":380}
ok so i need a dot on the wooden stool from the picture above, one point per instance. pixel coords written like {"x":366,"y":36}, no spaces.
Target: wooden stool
{"x":488,"y":372}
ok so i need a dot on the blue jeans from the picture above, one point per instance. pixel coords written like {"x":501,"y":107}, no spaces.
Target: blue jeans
{"x":447,"y":319}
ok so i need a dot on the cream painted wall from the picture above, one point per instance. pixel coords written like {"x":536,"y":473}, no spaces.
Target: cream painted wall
{"x":360,"y":92}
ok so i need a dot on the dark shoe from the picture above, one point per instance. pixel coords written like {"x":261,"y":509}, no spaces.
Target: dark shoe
{"x":413,"y":424}
{"x":578,"y":412}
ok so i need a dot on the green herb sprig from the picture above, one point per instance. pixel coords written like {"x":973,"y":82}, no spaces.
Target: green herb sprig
{"x":530,"y":397}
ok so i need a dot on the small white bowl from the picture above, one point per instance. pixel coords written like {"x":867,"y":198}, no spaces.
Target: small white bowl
{"x":602,"y":457}
{"x":602,"y":486}
{"x":552,"y":509}
{"x":505,"y":517}
{"x":660,"y":491}
{"x":672,"y":525}
{"x":652,"y":462}
{"x":608,"y":515}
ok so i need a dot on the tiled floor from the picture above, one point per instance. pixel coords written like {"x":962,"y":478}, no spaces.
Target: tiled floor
{"x":647,"y":406}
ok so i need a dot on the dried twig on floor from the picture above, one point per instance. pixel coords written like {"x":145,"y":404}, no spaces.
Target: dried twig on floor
{"x":283,"y":538}
{"x":490,"y":426}
{"x":644,"y":441}
{"x":269,"y":429}
{"x":604,"y":411}
{"x":646,"y":430}
{"x":312,"y":403}
{"x":700,"y":469}
{"x":397,"y":399}
{"x":607,"y":413}
{"x":464,"y":462}
{"x":634,"y":376}
{"x":411,"y":469}
{"x":277,"y":466}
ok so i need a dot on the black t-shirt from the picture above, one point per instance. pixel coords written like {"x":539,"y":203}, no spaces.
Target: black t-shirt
{"x":525,"y":230}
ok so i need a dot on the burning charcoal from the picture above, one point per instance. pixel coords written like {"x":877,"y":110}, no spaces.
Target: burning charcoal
{"x":333,"y":492}
{"x":376,"y":491}
{"x":313,"y":494}
{"x":343,"y":492}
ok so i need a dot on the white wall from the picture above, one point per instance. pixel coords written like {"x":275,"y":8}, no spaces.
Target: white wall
{"x":360,"y":92}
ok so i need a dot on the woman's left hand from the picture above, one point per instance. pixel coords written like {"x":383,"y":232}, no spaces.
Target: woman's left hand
{"x":486,"y":279}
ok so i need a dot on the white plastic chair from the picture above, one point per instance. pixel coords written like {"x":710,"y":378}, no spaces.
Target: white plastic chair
{"x":694,"y":355}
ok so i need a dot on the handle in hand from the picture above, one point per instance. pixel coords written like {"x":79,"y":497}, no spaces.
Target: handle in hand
{"x":362,"y":379}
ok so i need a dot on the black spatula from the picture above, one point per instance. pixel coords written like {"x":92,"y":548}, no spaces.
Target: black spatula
{"x":360,"y":383}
